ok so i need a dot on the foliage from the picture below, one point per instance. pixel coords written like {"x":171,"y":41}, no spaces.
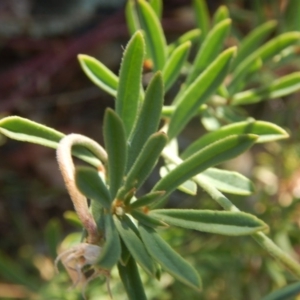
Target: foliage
{"x":126,"y":224}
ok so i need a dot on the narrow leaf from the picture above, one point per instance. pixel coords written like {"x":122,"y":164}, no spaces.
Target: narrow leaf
{"x":220,"y":15}
{"x":99,"y":74}
{"x":154,"y":35}
{"x":265,"y":52}
{"x":192,"y":36}
{"x":115,"y":143}
{"x":252,"y":41}
{"x":132,"y":281}
{"x":266,"y":132}
{"x":24,"y":130}
{"x":281,"y":87}
{"x":202,"y":16}
{"x":157,"y":6}
{"x":128,"y":233}
{"x":286,"y":293}
{"x":128,"y":94}
{"x":132,"y":20}
{"x":199,"y":92}
{"x":219,"y":222}
{"x":171,"y":261}
{"x":147,"y":220}
{"x":228,"y":181}
{"x":148,"y":119}
{"x":91,"y":185}
{"x":209,"y":156}
{"x":147,"y":199}
{"x":175,"y":63}
{"x":210,"y":49}
{"x":111,"y":250}
{"x":146,"y":161}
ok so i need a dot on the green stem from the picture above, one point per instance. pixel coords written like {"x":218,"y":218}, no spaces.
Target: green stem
{"x":259,"y":237}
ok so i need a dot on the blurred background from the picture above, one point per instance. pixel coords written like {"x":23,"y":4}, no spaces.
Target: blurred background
{"x":40,"y":79}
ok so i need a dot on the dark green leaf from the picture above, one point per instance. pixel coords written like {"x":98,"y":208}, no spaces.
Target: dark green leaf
{"x":129,"y":235}
{"x":266,"y":132}
{"x":199,"y":92}
{"x":131,"y":280}
{"x":147,"y":220}
{"x":171,"y":261}
{"x":115,"y":143}
{"x":129,"y":88}
{"x":99,"y":74}
{"x":286,"y":293}
{"x":219,"y":222}
{"x":53,"y":236}
{"x":148,"y":118}
{"x":147,"y":199}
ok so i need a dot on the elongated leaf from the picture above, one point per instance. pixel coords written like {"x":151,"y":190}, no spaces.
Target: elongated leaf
{"x":228,"y":181}
{"x":199,"y":92}
{"x":132,"y":281}
{"x":210,"y":49}
{"x":252,"y":41}
{"x":209,"y":156}
{"x":191,"y":36}
{"x":266,"y":132}
{"x":170,"y":260}
{"x":53,"y":236}
{"x":147,"y":199}
{"x":202,"y":16}
{"x":146,"y":161}
{"x":132,"y":20}
{"x":157,"y":6}
{"x":91,"y":185}
{"x":220,"y":15}
{"x":24,"y":130}
{"x":128,"y":233}
{"x":147,"y":220}
{"x":148,"y":118}
{"x":99,"y":74}
{"x":265,"y":52}
{"x":128,"y":94}
{"x":154,"y":35}
{"x":286,"y":293}
{"x":189,"y":187}
{"x":281,"y":87}
{"x":175,"y":63}
{"x":115,"y":143}
{"x":111,"y":250}
{"x":219,"y":222}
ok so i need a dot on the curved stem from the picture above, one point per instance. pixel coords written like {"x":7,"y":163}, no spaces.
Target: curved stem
{"x":67,"y":168}
{"x":223,"y":201}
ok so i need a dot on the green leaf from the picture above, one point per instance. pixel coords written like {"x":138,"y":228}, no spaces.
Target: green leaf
{"x":128,"y":94}
{"x":265,"y":52}
{"x":220,"y":15}
{"x":24,"y":130}
{"x":132,"y":20}
{"x":202,"y":16}
{"x":219,"y":222}
{"x":125,"y":255}
{"x":286,"y":293}
{"x":128,"y":233}
{"x":266,"y":132}
{"x":175,"y":63}
{"x":147,"y":220}
{"x":228,"y":181}
{"x":99,"y":74}
{"x":91,"y":185}
{"x":209,"y":156}
{"x":131,"y":280}
{"x":115,"y":143}
{"x":145,"y":162}
{"x":209,"y":50}
{"x":171,"y":261}
{"x":53,"y":236}
{"x":189,"y":187}
{"x":252,"y":41}
{"x":111,"y":250}
{"x":199,"y":92}
{"x":281,"y":87}
{"x":154,"y":35}
{"x":157,"y":6}
{"x":147,"y":199}
{"x":148,"y":119}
